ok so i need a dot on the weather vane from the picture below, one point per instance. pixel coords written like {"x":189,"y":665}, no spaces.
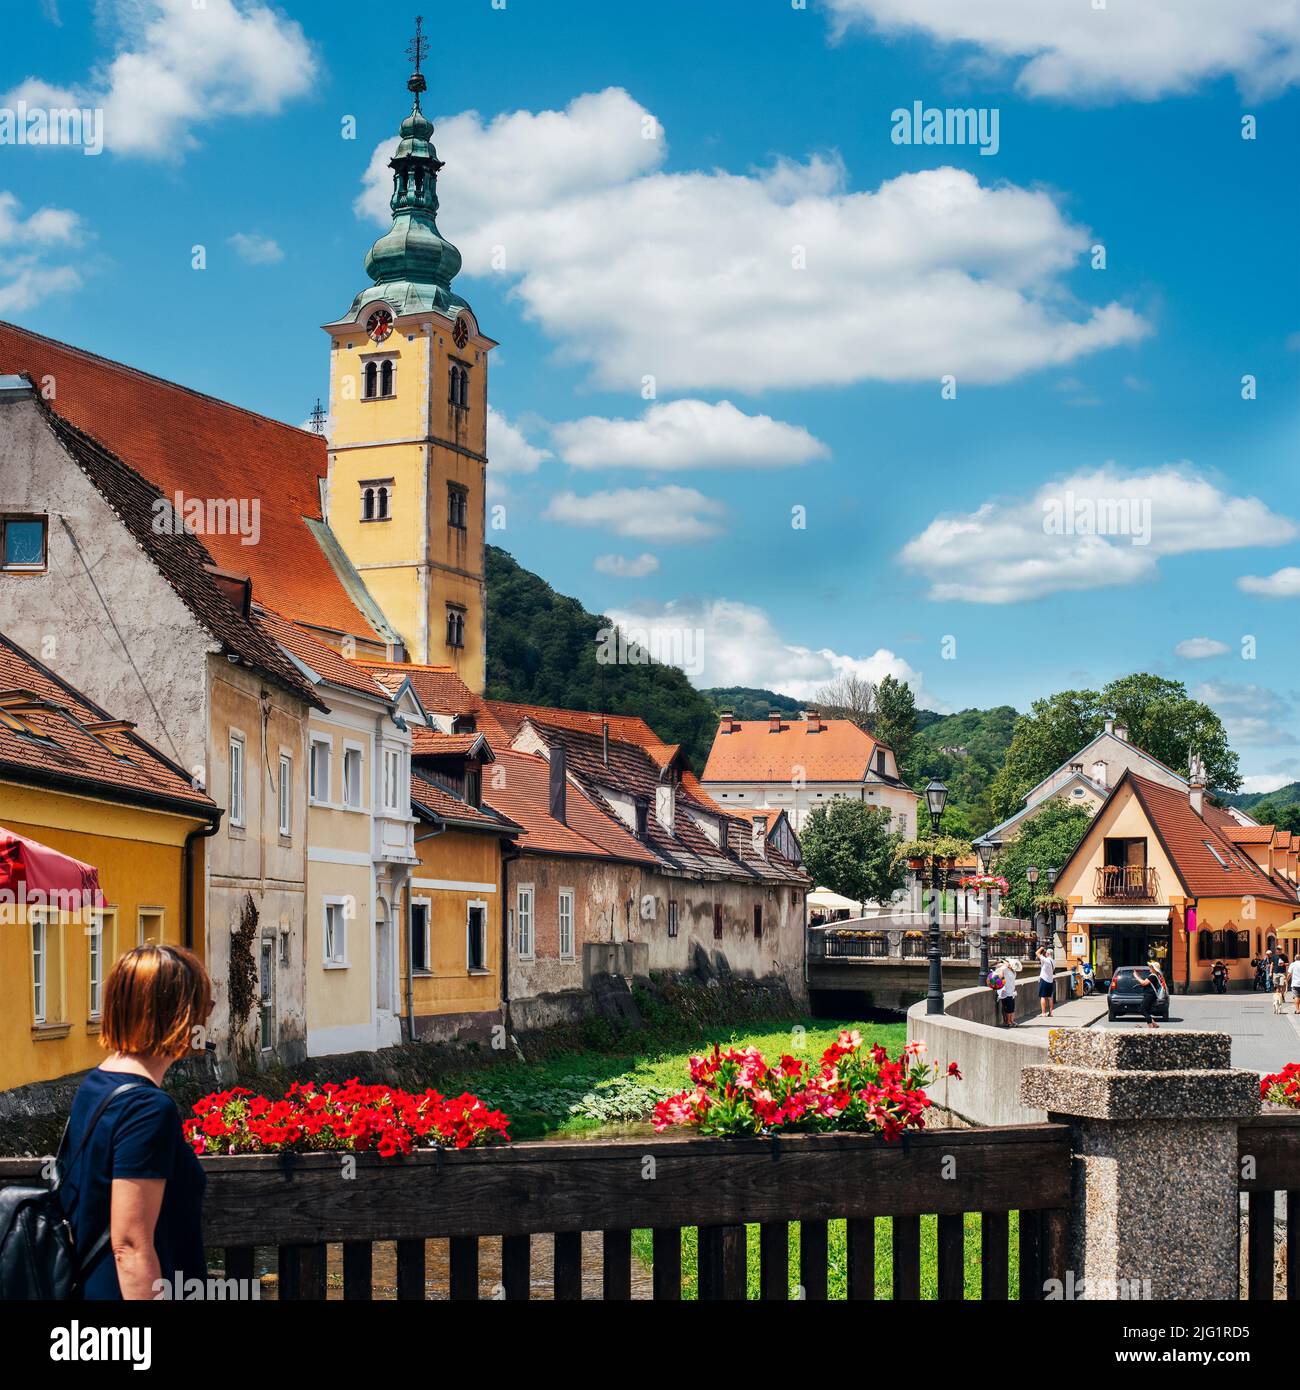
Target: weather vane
{"x":318,"y":418}
{"x":416,"y":51}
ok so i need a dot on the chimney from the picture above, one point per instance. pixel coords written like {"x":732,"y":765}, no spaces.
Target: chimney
{"x":558,"y":784}
{"x":666,"y":805}
{"x":1099,"y":772}
{"x":1110,"y":726}
{"x":812,"y":719}
{"x":1121,"y":732}
{"x":604,"y":741}
{"x":760,"y":836}
{"x":774,"y":722}
{"x":1196,"y":785}
{"x":728,"y":717}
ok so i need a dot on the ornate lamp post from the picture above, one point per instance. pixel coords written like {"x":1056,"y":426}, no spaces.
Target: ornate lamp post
{"x":985,"y":851}
{"x":1031,"y":874}
{"x":936,"y":796}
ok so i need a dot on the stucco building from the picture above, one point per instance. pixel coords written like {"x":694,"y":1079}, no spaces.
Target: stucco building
{"x":796,"y":765}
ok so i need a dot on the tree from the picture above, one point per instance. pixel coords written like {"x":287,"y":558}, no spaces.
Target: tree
{"x":848,"y":847}
{"x":1054,"y":728}
{"x":1166,"y":722}
{"x":1046,"y":840}
{"x":1162,"y":720}
{"x":1284,"y":815}
{"x":849,"y":697}
{"x":895,"y":724}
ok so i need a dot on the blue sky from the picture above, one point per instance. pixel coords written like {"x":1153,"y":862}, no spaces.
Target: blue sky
{"x":675,"y":256}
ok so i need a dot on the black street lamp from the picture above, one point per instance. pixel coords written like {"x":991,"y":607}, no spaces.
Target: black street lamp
{"x":985,"y":851}
{"x":936,"y":797}
{"x":1031,"y":873}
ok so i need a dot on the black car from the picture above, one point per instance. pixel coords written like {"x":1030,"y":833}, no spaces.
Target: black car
{"x":1125,"y":994}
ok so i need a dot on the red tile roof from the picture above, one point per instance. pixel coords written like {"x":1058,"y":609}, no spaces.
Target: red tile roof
{"x":752,"y":752}
{"x":1203,"y":856}
{"x":323,"y":661}
{"x":183,"y":441}
{"x":430,"y":743}
{"x":441,"y":691}
{"x":52,"y":735}
{"x":181,"y":558}
{"x":1250,"y":834}
{"x":521,"y":790}
{"x":433,"y":798}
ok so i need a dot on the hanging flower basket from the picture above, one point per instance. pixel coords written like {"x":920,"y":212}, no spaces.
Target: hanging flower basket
{"x":984,"y":883}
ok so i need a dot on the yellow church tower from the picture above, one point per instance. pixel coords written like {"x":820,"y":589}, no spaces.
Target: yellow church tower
{"x":408,"y":409}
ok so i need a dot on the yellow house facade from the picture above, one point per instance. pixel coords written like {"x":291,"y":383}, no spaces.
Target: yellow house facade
{"x":84,"y":785}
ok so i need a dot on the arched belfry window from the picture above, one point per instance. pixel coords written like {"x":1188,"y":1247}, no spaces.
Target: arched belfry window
{"x":377,"y":499}
{"x":455,"y":627}
{"x":458,"y":386}
{"x":386,"y":378}
{"x":371,"y":388}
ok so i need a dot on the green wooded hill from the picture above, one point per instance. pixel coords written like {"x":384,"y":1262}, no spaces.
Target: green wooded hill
{"x":964,"y":751}
{"x":542,"y":650}
{"x":750,"y":702}
{"x":1284,"y":796}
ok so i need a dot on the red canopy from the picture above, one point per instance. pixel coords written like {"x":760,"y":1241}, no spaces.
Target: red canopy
{"x":37,"y":875}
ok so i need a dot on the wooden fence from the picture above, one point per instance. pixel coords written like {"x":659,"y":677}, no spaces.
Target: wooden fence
{"x":303,"y":1205}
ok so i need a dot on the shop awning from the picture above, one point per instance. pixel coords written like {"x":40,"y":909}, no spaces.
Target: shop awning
{"x":1122,"y":916}
{"x":1291,"y":929}
{"x":36,"y":875}
{"x":827,"y":901}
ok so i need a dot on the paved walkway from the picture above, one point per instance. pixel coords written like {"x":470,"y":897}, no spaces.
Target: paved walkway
{"x":1261,"y":1040}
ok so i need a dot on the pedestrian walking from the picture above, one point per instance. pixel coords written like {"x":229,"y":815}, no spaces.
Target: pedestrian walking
{"x":1151,"y":982}
{"x":1007,"y":972}
{"x":1046,"y":982}
{"x":1294,"y":973}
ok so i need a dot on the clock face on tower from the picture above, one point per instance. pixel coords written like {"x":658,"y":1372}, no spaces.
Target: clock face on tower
{"x":460,"y":332}
{"x":379,"y":325}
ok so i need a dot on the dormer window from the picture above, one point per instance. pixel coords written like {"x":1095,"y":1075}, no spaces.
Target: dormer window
{"x":458,"y":386}
{"x":474,"y":787}
{"x":377,"y":500}
{"x":378,"y":379}
{"x":642,"y":816}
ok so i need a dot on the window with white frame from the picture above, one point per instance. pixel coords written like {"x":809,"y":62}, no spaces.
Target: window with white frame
{"x":40,"y":966}
{"x":524,"y":921}
{"x":237,"y":779}
{"x":335,"y":935}
{"x":420,"y":943}
{"x":393,"y":779}
{"x":285,"y":794}
{"x":352,"y":778}
{"x":476,"y":936}
{"x":319,"y":771}
{"x":99,"y":941}
{"x":566,"y":923}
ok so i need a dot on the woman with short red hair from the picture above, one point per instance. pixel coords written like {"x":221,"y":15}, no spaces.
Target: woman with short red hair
{"x":131,"y":1184}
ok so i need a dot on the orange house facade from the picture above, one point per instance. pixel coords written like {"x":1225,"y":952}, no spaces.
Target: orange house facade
{"x":1163,"y":875}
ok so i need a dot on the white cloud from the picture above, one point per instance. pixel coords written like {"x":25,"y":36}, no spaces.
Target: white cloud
{"x":1270,"y":781}
{"x":1283,"y":583}
{"x":1088,"y":531}
{"x":1251,"y":714}
{"x":28,"y":248}
{"x":689,"y":277}
{"x":178,"y":65}
{"x":1201,"y":648}
{"x":509,"y":451}
{"x":738,"y":644}
{"x":686,"y":434}
{"x":650,"y":513}
{"x":621,"y":567}
{"x":1142,"y":49}
{"x":257,"y":249}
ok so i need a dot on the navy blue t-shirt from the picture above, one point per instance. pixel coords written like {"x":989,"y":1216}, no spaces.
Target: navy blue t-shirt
{"x":138,"y":1136}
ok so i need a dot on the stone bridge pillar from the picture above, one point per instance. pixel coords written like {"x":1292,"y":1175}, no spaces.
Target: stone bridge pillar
{"x":1155,"y":1210}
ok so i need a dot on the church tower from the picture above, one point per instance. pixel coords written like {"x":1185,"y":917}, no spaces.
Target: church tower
{"x":408,"y":407}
